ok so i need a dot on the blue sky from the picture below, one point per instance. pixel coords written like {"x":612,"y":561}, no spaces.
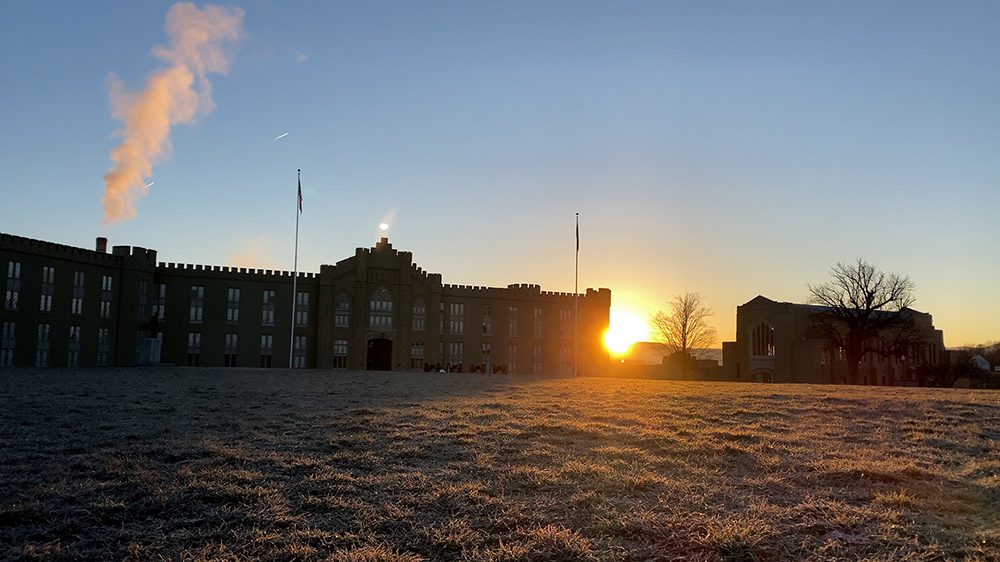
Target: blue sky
{"x":729,"y":148}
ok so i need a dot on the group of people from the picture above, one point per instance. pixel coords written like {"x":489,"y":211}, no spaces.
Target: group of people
{"x":460,"y":368}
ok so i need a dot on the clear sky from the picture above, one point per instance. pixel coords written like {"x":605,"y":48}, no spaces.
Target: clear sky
{"x":729,"y":148}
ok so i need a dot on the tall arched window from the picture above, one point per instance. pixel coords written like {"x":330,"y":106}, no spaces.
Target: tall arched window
{"x":762,"y":340}
{"x":380,"y":310}
{"x":342,"y":313}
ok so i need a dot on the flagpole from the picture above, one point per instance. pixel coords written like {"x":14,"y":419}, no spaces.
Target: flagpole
{"x":576,"y":304}
{"x":295,"y":270}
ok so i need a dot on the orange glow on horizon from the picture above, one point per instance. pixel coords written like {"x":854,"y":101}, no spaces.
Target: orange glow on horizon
{"x":625,"y":329}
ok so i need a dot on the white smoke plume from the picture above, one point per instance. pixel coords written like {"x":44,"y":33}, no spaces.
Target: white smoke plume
{"x":202,"y":42}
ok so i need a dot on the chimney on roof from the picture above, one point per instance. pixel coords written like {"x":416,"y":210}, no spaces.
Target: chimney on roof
{"x":102,"y":245}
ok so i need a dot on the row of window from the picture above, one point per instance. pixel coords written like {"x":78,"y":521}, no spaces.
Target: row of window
{"x":12,"y":295}
{"x":231,"y":353}
{"x":43,"y":343}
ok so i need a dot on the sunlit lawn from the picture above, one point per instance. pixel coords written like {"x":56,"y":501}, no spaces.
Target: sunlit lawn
{"x":223,"y":464}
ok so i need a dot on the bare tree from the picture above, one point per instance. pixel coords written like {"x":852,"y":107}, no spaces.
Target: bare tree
{"x":684,"y":331}
{"x":865,"y":310}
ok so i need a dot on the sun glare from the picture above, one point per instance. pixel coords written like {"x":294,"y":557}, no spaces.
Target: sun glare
{"x":624,"y":330}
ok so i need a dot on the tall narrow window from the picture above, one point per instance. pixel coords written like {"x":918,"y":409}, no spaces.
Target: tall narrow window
{"x":267,"y":308}
{"x":339,"y":354}
{"x":512,"y":321}
{"x":565,"y":322}
{"x":48,"y":287}
{"x":380,"y":310}
{"x":233,"y":305}
{"x":565,"y":359}
{"x":73,"y":346}
{"x":342,"y":312}
{"x":456,"y":318}
{"x":232,"y":350}
{"x":76,"y":305}
{"x":302,"y":309}
{"x":143,"y":300}
{"x":487,"y":320}
{"x":486,"y":359}
{"x":537,"y":324}
{"x":194,"y":349}
{"x":7,"y":345}
{"x":266,"y":348}
{"x":536,"y":366}
{"x":299,"y":357}
{"x":13,"y":285}
{"x":419,"y":315}
{"x":416,"y":355}
{"x":105,"y":296}
{"x":441,"y":318}
{"x":457,"y":353}
{"x":512,"y":358}
{"x":762,"y":339}
{"x":103,"y":347}
{"x":160,"y":301}
{"x":197,"y":303}
{"x":42,"y":346}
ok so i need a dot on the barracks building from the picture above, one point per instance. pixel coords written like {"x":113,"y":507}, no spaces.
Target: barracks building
{"x":72,"y":307}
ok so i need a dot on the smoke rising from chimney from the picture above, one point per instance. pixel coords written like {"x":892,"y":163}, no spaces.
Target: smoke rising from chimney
{"x":202,"y":42}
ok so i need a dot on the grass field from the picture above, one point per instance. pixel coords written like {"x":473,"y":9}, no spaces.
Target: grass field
{"x":232,"y":465}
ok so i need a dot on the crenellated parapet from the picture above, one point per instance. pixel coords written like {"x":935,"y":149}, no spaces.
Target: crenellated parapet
{"x":228,"y":272}
{"x":58,"y":251}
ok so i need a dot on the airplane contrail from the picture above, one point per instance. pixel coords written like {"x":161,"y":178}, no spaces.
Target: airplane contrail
{"x":281,"y":136}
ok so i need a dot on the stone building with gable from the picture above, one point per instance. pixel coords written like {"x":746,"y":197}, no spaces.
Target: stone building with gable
{"x":68,"y":306}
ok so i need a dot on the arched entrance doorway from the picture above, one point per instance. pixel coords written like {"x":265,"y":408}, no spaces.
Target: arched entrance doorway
{"x":379,"y":354}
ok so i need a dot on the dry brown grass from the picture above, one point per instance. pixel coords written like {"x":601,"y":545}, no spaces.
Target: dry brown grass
{"x":235,"y":465}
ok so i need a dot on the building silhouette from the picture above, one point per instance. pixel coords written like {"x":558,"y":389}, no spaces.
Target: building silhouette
{"x":780,"y":342}
{"x":68,"y":306}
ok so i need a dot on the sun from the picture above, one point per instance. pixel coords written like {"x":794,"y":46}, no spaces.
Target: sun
{"x":625,"y":329}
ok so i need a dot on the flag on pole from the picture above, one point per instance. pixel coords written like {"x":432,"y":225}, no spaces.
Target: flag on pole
{"x":577,"y":231}
{"x":300,"y":195}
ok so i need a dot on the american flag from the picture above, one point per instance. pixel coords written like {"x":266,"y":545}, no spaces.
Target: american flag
{"x":300,"y":195}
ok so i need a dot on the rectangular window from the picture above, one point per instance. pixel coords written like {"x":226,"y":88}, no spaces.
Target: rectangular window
{"x":487,"y":320}
{"x":13,"y":285}
{"x":143,"y":301}
{"x":197,"y":304}
{"x":342,"y":312}
{"x":7,"y":345}
{"x":537,"y":317}
{"x":299,"y":357}
{"x":105,"y":296}
{"x":486,"y":360}
{"x":512,"y":358}
{"x":232,"y":350}
{"x":194,"y":349}
{"x":419,"y":316}
{"x":512,"y":321}
{"x":42,"y":347}
{"x":339,"y":354}
{"x":565,"y":359}
{"x":565,"y":323}
{"x":536,"y":366}
{"x":456,"y":352}
{"x":160,"y":301}
{"x":76,"y":305}
{"x":73,"y":345}
{"x":233,"y":305}
{"x":266,"y":347}
{"x":441,"y":318}
{"x":103,"y":347}
{"x":302,"y":309}
{"x":267,"y":308}
{"x":48,"y":288}
{"x":456,"y":317}
{"x":416,"y":355}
